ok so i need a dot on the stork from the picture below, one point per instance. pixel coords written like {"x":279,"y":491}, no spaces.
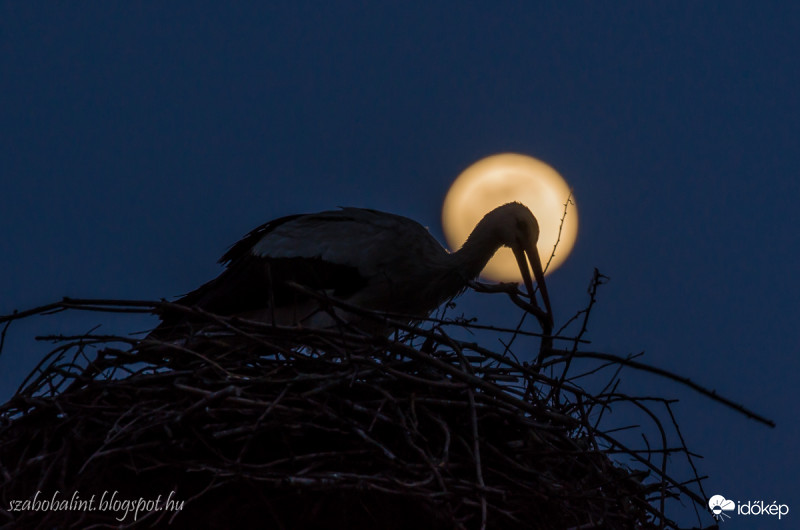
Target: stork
{"x":366,"y":258}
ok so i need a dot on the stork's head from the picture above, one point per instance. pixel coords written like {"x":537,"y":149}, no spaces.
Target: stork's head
{"x":514,"y":226}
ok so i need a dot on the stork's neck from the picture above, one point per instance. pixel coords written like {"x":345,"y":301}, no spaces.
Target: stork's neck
{"x":477,"y":250}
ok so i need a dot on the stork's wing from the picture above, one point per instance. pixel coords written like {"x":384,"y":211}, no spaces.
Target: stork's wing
{"x":251,"y":282}
{"x":243,"y":247}
{"x":369,"y":240}
{"x":337,"y":252}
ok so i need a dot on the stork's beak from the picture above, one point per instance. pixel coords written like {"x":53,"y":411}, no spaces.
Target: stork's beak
{"x":538,"y":274}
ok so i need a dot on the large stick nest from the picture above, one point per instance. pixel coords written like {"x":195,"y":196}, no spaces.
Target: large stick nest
{"x":275,"y":427}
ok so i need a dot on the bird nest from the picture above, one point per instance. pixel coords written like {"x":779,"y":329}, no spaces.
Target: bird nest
{"x":279,"y":427}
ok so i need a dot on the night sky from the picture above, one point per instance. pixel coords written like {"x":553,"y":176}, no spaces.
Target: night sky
{"x":137,"y":143}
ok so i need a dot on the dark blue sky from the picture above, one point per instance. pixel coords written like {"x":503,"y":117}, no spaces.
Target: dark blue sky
{"x":137,"y":143}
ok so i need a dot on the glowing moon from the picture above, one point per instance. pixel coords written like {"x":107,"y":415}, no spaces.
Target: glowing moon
{"x":507,"y":177}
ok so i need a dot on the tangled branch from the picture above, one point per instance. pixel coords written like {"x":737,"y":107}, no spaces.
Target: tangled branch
{"x":287,"y":427}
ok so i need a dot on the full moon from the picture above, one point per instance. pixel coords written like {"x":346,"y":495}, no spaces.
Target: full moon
{"x":508,"y":177}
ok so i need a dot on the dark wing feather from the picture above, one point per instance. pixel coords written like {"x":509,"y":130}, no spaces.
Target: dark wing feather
{"x":251,"y":283}
{"x":242,"y":247}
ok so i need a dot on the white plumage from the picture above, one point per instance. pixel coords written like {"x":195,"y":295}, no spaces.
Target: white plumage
{"x":370,"y":259}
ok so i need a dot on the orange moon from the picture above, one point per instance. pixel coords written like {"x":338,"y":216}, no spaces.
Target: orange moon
{"x":498,"y":179}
